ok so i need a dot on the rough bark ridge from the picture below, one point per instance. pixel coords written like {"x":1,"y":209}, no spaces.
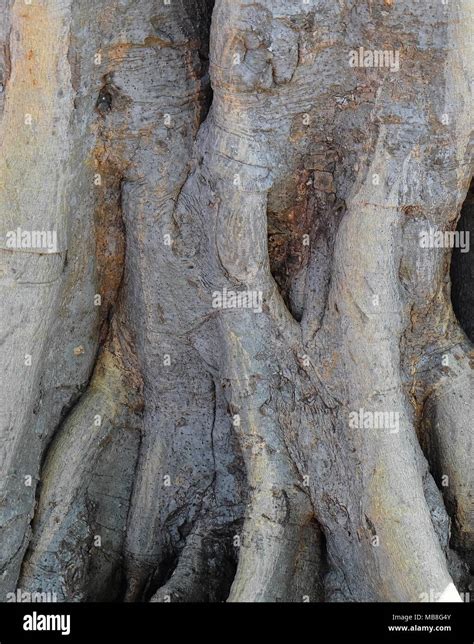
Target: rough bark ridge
{"x":158,"y":445}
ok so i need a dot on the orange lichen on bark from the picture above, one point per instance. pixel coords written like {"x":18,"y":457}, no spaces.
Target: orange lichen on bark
{"x":109,"y":229}
{"x":286,"y":230}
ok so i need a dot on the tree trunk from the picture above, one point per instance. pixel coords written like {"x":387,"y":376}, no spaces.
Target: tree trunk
{"x":237,"y":373}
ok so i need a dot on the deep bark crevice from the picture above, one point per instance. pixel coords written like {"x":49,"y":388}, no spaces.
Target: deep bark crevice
{"x":462,"y":269}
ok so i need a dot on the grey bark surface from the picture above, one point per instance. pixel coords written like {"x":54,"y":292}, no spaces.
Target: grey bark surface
{"x":157,"y":448}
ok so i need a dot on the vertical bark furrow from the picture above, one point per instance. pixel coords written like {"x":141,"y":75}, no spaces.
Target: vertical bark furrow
{"x":80,"y":521}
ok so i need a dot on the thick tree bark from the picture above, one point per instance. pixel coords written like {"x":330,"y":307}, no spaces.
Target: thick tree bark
{"x":157,"y":445}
